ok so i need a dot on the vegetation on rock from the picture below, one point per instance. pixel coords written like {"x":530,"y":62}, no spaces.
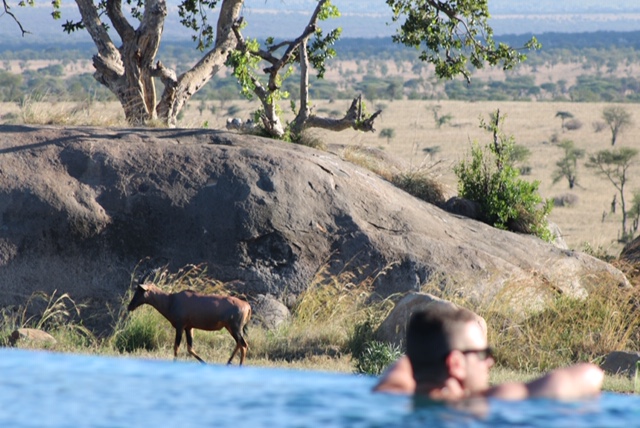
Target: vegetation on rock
{"x":490,"y":179}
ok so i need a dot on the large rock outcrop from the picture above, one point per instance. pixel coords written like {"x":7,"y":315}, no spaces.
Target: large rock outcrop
{"x":80,"y":207}
{"x":394,"y":328}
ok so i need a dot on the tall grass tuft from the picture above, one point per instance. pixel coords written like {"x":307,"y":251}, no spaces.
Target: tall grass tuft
{"x":324,"y":320}
{"x":371,"y":160}
{"x":331,"y":305}
{"x":555,"y":329}
{"x":310,"y":140}
{"x":421,"y":182}
{"x":55,"y":314}
{"x":573,"y":329}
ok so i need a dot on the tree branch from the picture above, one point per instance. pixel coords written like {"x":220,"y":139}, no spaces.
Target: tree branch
{"x":166,"y":75}
{"x":7,"y":11}
{"x":93,"y":24}
{"x":120,"y":23}
{"x":308,"y":31}
{"x":354,"y":118}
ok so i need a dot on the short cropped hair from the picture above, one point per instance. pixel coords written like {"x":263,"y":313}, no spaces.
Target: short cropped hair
{"x":431,"y":336}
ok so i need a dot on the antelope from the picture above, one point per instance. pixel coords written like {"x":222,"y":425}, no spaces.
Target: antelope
{"x":187,"y":310}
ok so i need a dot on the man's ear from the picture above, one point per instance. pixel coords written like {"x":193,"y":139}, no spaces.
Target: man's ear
{"x":456,"y":365}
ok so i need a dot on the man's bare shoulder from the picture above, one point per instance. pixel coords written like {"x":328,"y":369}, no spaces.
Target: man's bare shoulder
{"x":398,"y":378}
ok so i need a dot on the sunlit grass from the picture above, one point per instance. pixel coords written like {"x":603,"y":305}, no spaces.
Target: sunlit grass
{"x":421,"y":182}
{"x":57,"y":314}
{"x":36,"y":109}
{"x":332,"y":325}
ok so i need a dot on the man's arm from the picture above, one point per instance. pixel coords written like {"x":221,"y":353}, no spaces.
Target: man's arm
{"x":568,"y":383}
{"x":398,"y":378}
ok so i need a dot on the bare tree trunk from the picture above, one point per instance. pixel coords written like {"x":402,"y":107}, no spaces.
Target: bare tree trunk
{"x":179,"y":90}
{"x":354,"y":118}
{"x":129,"y":71}
{"x":126,"y":71}
{"x":303,"y":114}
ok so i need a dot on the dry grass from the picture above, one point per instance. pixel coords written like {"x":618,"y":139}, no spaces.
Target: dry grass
{"x":38,"y":111}
{"x":555,"y":330}
{"x":325,"y":321}
{"x":533,"y":125}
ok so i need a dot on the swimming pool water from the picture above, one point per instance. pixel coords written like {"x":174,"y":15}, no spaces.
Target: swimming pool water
{"x":43,"y":389}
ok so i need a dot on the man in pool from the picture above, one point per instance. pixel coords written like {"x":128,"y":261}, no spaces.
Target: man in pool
{"x":448,"y":360}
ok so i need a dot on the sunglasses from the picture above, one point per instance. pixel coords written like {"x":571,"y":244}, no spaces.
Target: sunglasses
{"x":482,"y":354}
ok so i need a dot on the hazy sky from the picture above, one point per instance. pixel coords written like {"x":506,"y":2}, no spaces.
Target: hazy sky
{"x":371,"y":18}
{"x":360,"y":18}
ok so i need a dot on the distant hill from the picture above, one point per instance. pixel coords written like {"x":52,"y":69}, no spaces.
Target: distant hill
{"x":368,"y":19}
{"x":347,"y":47}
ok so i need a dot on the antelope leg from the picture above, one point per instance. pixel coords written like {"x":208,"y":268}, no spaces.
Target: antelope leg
{"x":190,"y":345}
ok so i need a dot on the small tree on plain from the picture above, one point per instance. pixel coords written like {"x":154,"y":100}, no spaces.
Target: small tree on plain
{"x":618,"y":119}
{"x":567,"y":167}
{"x":614,"y":165}
{"x":202,"y":107}
{"x":440,"y":120}
{"x":454,"y":36}
{"x":388,"y":133}
{"x":563,"y":115}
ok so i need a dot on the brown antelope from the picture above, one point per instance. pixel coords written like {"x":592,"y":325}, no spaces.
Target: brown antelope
{"x":187,"y":310}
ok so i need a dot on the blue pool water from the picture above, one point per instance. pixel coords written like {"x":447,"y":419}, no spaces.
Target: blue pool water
{"x":41,"y":389}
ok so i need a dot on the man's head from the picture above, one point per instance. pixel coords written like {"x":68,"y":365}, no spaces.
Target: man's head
{"x":447,"y":343}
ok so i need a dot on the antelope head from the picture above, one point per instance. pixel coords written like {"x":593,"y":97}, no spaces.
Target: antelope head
{"x":139,"y":297}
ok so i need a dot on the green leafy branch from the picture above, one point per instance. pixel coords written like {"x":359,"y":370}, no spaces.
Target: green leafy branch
{"x":453,"y":35}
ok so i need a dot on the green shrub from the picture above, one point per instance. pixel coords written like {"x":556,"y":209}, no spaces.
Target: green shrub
{"x":420,"y":182}
{"x":73,"y":336}
{"x":490,"y":179}
{"x":142,"y":330}
{"x":375,"y":357}
{"x":361,"y":337}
